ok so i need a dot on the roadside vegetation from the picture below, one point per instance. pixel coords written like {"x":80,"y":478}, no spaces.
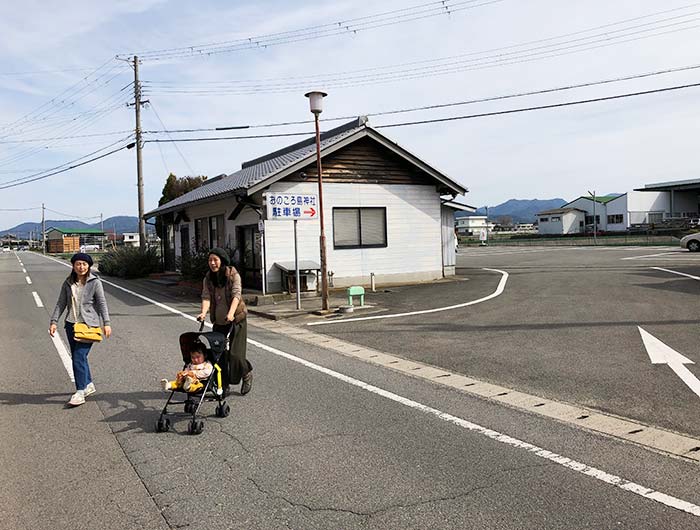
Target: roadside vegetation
{"x":130,"y":262}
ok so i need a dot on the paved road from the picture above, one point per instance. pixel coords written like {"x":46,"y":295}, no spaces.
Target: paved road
{"x":323,"y":440}
{"x":564,"y":328}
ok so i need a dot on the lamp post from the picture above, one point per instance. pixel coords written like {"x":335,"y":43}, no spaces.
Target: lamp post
{"x":595,"y":224}
{"x":316,"y":105}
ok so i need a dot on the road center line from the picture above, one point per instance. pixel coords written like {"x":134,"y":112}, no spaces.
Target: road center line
{"x":579,"y":467}
{"x":64,"y":355}
{"x":499,"y":289}
{"x":676,"y":272}
{"x":29,"y":280}
{"x":38,"y":301}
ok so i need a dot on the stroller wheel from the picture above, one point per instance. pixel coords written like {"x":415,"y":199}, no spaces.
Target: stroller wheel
{"x":195,"y":427}
{"x":223,"y":410}
{"x":163,"y":425}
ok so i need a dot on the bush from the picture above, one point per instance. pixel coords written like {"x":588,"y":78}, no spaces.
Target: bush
{"x":193,"y":265}
{"x":130,"y":262}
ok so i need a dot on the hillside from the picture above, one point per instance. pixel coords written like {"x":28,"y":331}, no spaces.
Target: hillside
{"x":118,"y":224}
{"x":520,"y":210}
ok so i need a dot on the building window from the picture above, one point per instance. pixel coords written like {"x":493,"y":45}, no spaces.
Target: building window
{"x":589,"y":219}
{"x":216,"y":231}
{"x":615,"y":219}
{"x":544,"y":219}
{"x":201,"y":234}
{"x":359,"y":227}
{"x":556,"y":219}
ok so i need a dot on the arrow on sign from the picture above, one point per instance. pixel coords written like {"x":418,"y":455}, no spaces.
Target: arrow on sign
{"x":311,"y":211}
{"x":660,"y":353}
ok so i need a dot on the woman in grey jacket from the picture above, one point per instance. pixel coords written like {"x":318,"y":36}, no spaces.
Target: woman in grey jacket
{"x":82,"y":294}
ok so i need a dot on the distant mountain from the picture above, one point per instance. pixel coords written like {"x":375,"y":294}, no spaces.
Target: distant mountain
{"x":118,"y":224}
{"x":520,"y":210}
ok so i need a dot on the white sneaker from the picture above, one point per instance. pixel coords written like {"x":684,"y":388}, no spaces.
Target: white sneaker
{"x":77,"y":399}
{"x":90,"y":389}
{"x":165,"y":384}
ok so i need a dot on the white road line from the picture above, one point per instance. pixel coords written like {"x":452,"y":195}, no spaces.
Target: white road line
{"x":24,"y":271}
{"x":584,"y":469}
{"x":497,"y":292}
{"x":64,"y":355}
{"x":651,"y":255}
{"x":29,"y":280}
{"x":676,"y":272}
{"x":579,"y":467}
{"x":37,"y":299}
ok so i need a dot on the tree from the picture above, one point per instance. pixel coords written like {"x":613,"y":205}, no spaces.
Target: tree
{"x":176,"y":187}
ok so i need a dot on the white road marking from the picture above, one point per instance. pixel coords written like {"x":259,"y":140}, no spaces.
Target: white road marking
{"x":614,"y":480}
{"x":676,"y":272}
{"x":24,"y":271}
{"x":37,"y":299}
{"x":29,"y":280}
{"x":670,"y":253}
{"x":64,"y":355}
{"x":579,"y":467}
{"x":661,"y":353}
{"x":497,"y":292}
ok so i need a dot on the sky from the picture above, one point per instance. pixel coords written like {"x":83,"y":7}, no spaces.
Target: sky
{"x":65,"y":83}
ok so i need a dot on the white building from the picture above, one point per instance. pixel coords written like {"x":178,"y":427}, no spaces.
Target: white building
{"x":472,"y":225}
{"x":131,"y":239}
{"x":386,"y":213}
{"x":561,"y":221}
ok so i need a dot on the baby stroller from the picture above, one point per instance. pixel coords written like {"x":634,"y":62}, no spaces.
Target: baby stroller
{"x":214,"y":345}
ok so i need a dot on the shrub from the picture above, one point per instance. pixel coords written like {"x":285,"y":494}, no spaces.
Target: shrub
{"x":130,"y":262}
{"x":193,"y":265}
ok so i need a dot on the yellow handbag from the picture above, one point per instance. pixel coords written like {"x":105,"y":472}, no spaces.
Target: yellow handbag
{"x":84,"y":333}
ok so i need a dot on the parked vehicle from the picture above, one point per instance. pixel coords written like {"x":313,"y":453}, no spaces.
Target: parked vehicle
{"x":691,"y":242}
{"x":6,"y":249}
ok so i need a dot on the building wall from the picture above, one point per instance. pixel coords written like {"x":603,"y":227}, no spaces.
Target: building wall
{"x":449,"y":242}
{"x":413,"y":252}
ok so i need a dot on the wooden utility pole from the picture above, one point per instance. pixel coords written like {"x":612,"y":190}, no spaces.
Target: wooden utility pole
{"x":139,"y":165}
{"x":43,"y":230}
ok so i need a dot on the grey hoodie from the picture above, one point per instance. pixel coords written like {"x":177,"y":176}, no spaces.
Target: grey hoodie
{"x":93,"y":305}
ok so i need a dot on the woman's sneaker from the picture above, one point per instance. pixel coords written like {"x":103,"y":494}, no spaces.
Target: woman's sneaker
{"x":77,"y":399}
{"x":247,"y":383}
{"x":90,"y":389}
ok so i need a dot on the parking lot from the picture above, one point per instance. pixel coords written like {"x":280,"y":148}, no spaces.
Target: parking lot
{"x":565,"y":327}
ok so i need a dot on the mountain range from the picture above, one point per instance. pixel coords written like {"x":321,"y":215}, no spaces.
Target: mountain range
{"x":519,"y":210}
{"x":118,"y":224}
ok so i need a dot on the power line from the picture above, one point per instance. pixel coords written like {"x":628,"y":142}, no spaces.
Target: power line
{"x":452,"y":118}
{"x":350,"y":26}
{"x":73,"y":216}
{"x":542,"y":107}
{"x":441,"y":66}
{"x":174,"y":145}
{"x":19,"y":209}
{"x":61,"y":168}
{"x":446,"y":105}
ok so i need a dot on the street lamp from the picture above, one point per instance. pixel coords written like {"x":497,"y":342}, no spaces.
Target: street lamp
{"x":316,"y":105}
{"x":595,"y":224}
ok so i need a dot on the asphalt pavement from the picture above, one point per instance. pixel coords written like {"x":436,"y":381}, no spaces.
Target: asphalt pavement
{"x":326,"y":439}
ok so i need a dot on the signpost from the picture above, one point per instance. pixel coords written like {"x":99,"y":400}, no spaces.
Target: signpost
{"x":292,"y":207}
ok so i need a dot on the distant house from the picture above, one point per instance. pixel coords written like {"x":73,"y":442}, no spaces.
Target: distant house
{"x":60,"y":240}
{"x":561,"y":221}
{"x":472,"y":225}
{"x":131,"y":239}
{"x":386,"y":211}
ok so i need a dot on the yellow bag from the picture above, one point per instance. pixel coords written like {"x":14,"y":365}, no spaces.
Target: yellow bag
{"x":84,"y":333}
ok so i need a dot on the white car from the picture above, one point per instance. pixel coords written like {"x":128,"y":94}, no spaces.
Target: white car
{"x":691,"y":242}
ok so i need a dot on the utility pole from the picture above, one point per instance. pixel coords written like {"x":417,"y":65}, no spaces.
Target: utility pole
{"x":102,"y":228}
{"x":139,"y":145}
{"x":43,"y":230}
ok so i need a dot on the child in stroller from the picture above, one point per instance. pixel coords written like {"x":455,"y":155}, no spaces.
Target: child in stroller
{"x":189,"y":379}
{"x":198,"y":350}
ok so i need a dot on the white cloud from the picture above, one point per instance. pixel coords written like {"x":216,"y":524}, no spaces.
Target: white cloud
{"x":612,"y":146}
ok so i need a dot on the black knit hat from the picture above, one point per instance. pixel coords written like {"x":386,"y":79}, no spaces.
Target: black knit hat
{"x":81,"y":256}
{"x":222,"y":255}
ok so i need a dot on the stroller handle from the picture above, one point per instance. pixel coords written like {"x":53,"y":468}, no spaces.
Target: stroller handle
{"x":201,"y":324}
